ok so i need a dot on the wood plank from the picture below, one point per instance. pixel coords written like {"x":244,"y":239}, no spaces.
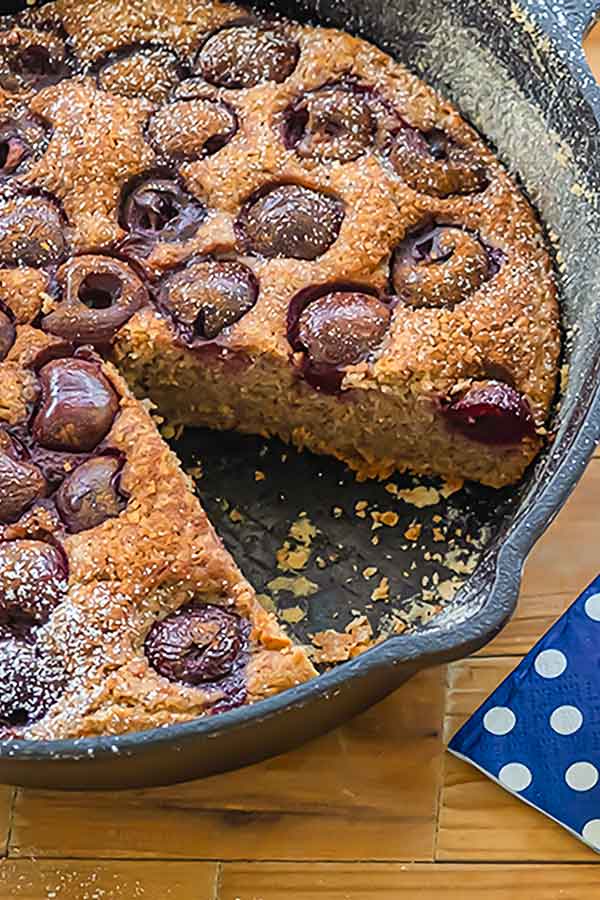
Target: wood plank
{"x":566,"y":559}
{"x":479,"y":820}
{"x":394,"y":881}
{"x":93,"y":880}
{"x":368,"y":790}
{"x":6,"y":804}
{"x":550,"y":584}
{"x":534,"y":616}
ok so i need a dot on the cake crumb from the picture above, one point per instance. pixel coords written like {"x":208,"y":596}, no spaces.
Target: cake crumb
{"x":451,"y":486}
{"x":413,"y":532}
{"x":303,"y":530}
{"x":337,"y":512}
{"x":235,"y":515}
{"x":293,"y":614}
{"x":289,"y":558}
{"x":360,"y":508}
{"x":447,"y":589}
{"x":420,"y":496}
{"x":259,"y":476}
{"x":438,"y":535}
{"x":369,"y":571}
{"x":334,"y":646}
{"x":267,"y":602}
{"x":382,"y":591}
{"x":461,"y":561}
{"x":299,"y":585}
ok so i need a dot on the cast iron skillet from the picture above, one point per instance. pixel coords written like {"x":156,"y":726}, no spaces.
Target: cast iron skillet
{"x":519,"y":75}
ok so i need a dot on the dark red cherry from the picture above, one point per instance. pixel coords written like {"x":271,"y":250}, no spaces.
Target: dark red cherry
{"x":333,"y":123}
{"x":32,"y":682}
{"x":191,"y":129}
{"x":7,"y":334}
{"x":33,"y":581}
{"x":21,"y":484}
{"x":343,"y":328}
{"x":200,"y":644}
{"x":90,"y":494}
{"x":209,"y":295}
{"x":31,"y":231}
{"x":78,"y":406}
{"x":439,"y":266}
{"x":243,"y":56}
{"x":22,"y":140}
{"x":100,"y":294}
{"x":290,"y":220}
{"x":32,"y":62}
{"x":160,"y":209}
{"x":493,"y":413}
{"x":432,"y":163}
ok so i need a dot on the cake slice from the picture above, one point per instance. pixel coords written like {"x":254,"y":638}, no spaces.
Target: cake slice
{"x":120,"y":609}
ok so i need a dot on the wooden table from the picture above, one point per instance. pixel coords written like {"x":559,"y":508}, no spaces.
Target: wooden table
{"x":376,"y":809}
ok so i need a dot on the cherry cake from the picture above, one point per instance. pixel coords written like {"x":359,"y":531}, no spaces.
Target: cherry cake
{"x":249,"y":224}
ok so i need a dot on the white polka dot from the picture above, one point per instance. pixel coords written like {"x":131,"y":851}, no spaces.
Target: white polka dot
{"x":581,"y":776}
{"x":566,"y":720}
{"x":592,"y":607}
{"x":550,"y":663}
{"x":591,"y":833}
{"x":515,"y":776}
{"x":499,"y":720}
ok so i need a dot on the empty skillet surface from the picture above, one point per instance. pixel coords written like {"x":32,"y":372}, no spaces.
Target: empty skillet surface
{"x":316,"y":544}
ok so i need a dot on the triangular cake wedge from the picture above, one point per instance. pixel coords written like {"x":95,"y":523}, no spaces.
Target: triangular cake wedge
{"x":149,"y":590}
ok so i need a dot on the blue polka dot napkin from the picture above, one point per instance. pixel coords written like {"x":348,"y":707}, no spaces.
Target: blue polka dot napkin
{"x":538,"y":734}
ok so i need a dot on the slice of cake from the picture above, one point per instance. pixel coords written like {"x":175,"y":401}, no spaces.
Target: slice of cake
{"x":119,"y":607}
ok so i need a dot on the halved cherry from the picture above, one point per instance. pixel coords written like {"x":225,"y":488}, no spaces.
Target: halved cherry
{"x":100,"y":294}
{"x":22,"y":482}
{"x":439,"y":265}
{"x":335,"y":326}
{"x":208,"y":295}
{"x":141,"y":70}
{"x":78,"y":406}
{"x":22,"y":140}
{"x":242,"y":56}
{"x":7,"y":330}
{"x":31,"y":231}
{"x":91,"y":493}
{"x":433,"y":163}
{"x":33,"y":581}
{"x":290,"y":220}
{"x":190,"y":129}
{"x":492,"y":413}
{"x":332,"y":123}
{"x":157,"y":207}
{"x":32,"y":682}
{"x":202,"y":645}
{"x":31,"y":60}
